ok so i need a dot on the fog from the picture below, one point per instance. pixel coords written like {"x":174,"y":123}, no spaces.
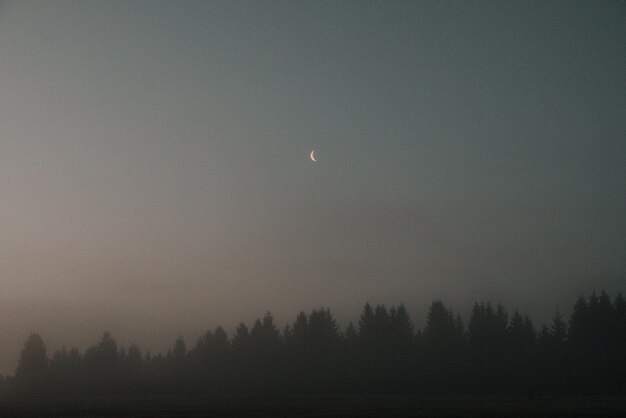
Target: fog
{"x":155,"y":179}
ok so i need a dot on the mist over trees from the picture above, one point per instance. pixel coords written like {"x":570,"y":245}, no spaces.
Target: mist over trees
{"x":493,"y":352}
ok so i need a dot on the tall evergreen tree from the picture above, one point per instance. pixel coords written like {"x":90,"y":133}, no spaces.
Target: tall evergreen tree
{"x":400,"y":329}
{"x":558,"y":330}
{"x":439,"y":334}
{"x":367,"y":327}
{"x":32,"y":368}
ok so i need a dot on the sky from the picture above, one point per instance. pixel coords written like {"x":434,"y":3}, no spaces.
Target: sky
{"x":155,"y":178}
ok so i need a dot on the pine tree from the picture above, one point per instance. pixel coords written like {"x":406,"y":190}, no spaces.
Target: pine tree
{"x":32,"y":368}
{"x":400,"y":328}
{"x":558,"y":330}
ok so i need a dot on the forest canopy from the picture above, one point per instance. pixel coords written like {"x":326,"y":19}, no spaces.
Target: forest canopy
{"x":494,"y":352}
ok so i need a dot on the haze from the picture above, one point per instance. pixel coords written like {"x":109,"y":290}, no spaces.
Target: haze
{"x":155,"y":176}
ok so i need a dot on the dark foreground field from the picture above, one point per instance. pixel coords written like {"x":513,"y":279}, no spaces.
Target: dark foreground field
{"x":311,"y":406}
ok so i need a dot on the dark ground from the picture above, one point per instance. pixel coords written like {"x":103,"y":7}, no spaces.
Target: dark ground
{"x":317,"y":406}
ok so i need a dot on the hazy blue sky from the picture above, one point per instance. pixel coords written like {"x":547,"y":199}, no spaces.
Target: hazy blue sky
{"x":155,"y":180}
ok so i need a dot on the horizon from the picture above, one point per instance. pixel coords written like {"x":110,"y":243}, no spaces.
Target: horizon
{"x":419,"y":322}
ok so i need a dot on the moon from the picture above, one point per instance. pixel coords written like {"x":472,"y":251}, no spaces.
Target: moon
{"x":312,"y":156}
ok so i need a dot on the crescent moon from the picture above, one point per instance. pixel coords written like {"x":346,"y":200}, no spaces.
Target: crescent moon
{"x":312,"y":156}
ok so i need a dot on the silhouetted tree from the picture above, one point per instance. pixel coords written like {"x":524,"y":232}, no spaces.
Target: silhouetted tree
{"x":313,"y":346}
{"x":440,"y":331}
{"x":101,"y":363}
{"x":65,"y":370}
{"x":619,"y":328}
{"x":401,"y":346}
{"x":400,"y":329}
{"x":442,"y":346}
{"x":32,"y":369}
{"x":180,"y":349}
{"x":266,"y":344}
{"x":367,"y":327}
{"x":374,"y":352}
{"x":243,"y":359}
{"x":264,"y":336}
{"x":382,"y":355}
{"x":178,"y":372}
{"x":593,"y":341}
{"x":351,"y":334}
{"x":553,"y":355}
{"x":487,"y":337}
{"x":521,"y":354}
{"x":323,"y":331}
{"x":558,"y":331}
{"x":134,"y":368}
{"x":521,"y":333}
{"x":241,"y":339}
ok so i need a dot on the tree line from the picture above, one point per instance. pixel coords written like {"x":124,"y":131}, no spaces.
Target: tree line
{"x":383,"y":353}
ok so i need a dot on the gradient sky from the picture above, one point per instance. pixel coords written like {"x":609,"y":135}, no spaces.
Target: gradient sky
{"x":155,"y":180}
